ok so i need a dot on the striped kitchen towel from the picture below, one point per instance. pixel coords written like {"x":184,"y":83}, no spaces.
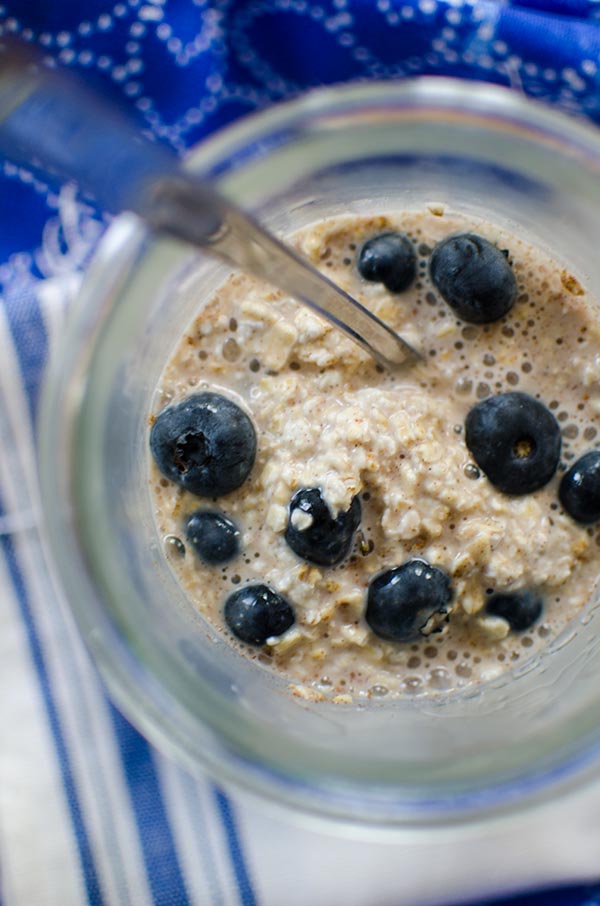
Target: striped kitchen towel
{"x":89,"y":812}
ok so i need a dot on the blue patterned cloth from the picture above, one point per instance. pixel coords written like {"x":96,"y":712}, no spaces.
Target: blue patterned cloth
{"x":89,"y":813}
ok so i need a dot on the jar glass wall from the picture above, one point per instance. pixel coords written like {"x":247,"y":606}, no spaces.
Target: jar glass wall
{"x":363,"y":149}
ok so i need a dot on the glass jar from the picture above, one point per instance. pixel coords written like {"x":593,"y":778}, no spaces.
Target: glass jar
{"x":418,"y":762}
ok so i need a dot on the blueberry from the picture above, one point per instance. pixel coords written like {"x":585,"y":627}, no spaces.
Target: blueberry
{"x":214,"y":537}
{"x":579,"y":490}
{"x":402,"y":601}
{"x":515,"y":440}
{"x":389,"y":259}
{"x":474,"y":278}
{"x":206,"y":444}
{"x":256,"y":612}
{"x":314,"y":533}
{"x":520,"y":609}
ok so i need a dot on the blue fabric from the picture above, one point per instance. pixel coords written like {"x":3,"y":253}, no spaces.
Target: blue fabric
{"x":184,"y":68}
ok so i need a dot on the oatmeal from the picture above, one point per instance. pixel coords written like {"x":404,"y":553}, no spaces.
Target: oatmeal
{"x":376,"y":470}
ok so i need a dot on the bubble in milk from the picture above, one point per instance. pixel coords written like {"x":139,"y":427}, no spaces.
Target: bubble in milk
{"x":174,"y":547}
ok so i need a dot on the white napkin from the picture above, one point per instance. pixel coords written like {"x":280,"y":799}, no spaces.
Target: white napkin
{"x":91,"y":814}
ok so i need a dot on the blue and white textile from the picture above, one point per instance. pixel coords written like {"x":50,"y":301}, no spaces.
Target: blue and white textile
{"x":89,"y":812}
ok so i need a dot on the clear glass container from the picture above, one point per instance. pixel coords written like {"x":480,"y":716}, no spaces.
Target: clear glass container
{"x":420,"y":762}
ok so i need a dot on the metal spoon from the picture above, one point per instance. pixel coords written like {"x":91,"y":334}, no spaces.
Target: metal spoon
{"x":50,"y":122}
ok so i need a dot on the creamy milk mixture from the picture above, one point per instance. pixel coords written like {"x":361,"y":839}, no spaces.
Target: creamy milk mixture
{"x":327,"y":416}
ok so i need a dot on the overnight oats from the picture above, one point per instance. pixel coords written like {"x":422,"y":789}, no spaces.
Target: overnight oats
{"x":372,"y":534}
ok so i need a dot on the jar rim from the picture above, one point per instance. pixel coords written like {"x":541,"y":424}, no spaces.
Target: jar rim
{"x":125,"y":242}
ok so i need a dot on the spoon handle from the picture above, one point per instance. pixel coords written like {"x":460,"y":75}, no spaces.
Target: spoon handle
{"x":245,"y":243}
{"x":51,"y":123}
